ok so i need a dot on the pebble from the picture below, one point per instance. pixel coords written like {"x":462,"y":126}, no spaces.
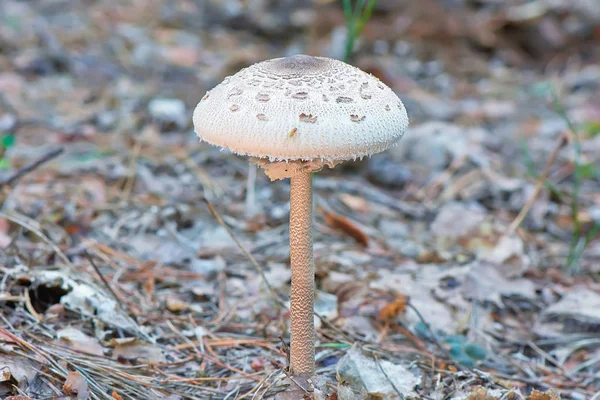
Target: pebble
{"x":387,"y":172}
{"x":169,"y":111}
{"x":7,"y":122}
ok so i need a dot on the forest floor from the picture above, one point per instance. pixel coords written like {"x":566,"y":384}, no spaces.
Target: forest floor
{"x":465,"y":261}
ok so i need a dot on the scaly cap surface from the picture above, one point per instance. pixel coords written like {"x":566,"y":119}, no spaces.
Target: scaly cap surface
{"x":301,"y":108}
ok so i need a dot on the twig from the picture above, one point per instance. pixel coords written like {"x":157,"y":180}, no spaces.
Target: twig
{"x":291,"y":378}
{"x":260,"y":270}
{"x":276,"y":381}
{"x":246,"y":253}
{"x":30,"y":167}
{"x":538,"y":188}
{"x":30,"y":308}
{"x":26,"y":223}
{"x":388,"y":378}
{"x":131,"y":175}
{"x":209,"y":187}
{"x":256,"y":388}
{"x":433,"y":335}
{"x":210,"y":357}
{"x":107,"y":285}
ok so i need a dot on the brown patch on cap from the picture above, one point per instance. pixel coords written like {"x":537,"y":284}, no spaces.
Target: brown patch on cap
{"x":307,"y":118}
{"x":300,"y":95}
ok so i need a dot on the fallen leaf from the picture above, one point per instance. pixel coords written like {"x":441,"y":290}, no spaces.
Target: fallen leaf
{"x":481,"y":393}
{"x":83,"y":297}
{"x":344,"y":224}
{"x":136,"y":350}
{"x":7,"y":382}
{"x":76,"y":385}
{"x":576,"y":313}
{"x":547,"y":395}
{"x":356,"y":203}
{"x":15,"y":372}
{"x":80,"y":342}
{"x":116,"y":395}
{"x":486,"y":283}
{"x":391,"y":310}
{"x":175,"y":304}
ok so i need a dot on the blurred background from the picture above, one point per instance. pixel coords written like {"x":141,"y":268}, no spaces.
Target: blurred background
{"x":486,"y":215}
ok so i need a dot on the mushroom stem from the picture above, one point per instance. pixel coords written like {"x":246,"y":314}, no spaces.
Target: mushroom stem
{"x":302,"y":348}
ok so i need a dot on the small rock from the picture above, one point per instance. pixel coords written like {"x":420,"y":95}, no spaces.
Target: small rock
{"x":496,"y":109}
{"x":326,"y":305}
{"x":381,"y":47}
{"x":485,"y":282}
{"x":208,"y":268}
{"x":441,"y":110}
{"x":169,"y":112}
{"x":386,"y":172}
{"x":393,"y":229}
{"x":7,"y":122}
{"x":432,"y":145}
{"x":455,"y":220}
{"x":365,"y":376}
{"x":106,"y":120}
{"x":406,"y":248}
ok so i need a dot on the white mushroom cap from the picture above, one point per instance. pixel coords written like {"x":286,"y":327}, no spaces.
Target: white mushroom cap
{"x":301,"y":108}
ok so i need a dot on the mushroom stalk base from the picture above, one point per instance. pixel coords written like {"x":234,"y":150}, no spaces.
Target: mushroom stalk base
{"x":302,"y":349}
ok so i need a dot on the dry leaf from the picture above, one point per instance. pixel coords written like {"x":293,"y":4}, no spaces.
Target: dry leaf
{"x":116,"y":395}
{"x":5,"y":238}
{"x":356,"y":203}
{"x":547,"y":395}
{"x":391,"y":310}
{"x":480,"y":393}
{"x":76,"y":385}
{"x":136,"y":350}
{"x":175,"y":304}
{"x":149,"y":285}
{"x":344,"y":224}
{"x":78,"y":341}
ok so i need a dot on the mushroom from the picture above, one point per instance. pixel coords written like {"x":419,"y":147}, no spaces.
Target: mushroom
{"x":293,"y":116}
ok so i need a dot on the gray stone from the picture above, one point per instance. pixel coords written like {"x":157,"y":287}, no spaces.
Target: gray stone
{"x":456,"y":220}
{"x":373,"y":378}
{"x":170,"y":111}
{"x":432,"y":145}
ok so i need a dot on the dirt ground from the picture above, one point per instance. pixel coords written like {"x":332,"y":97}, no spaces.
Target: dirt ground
{"x":463,"y":263}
